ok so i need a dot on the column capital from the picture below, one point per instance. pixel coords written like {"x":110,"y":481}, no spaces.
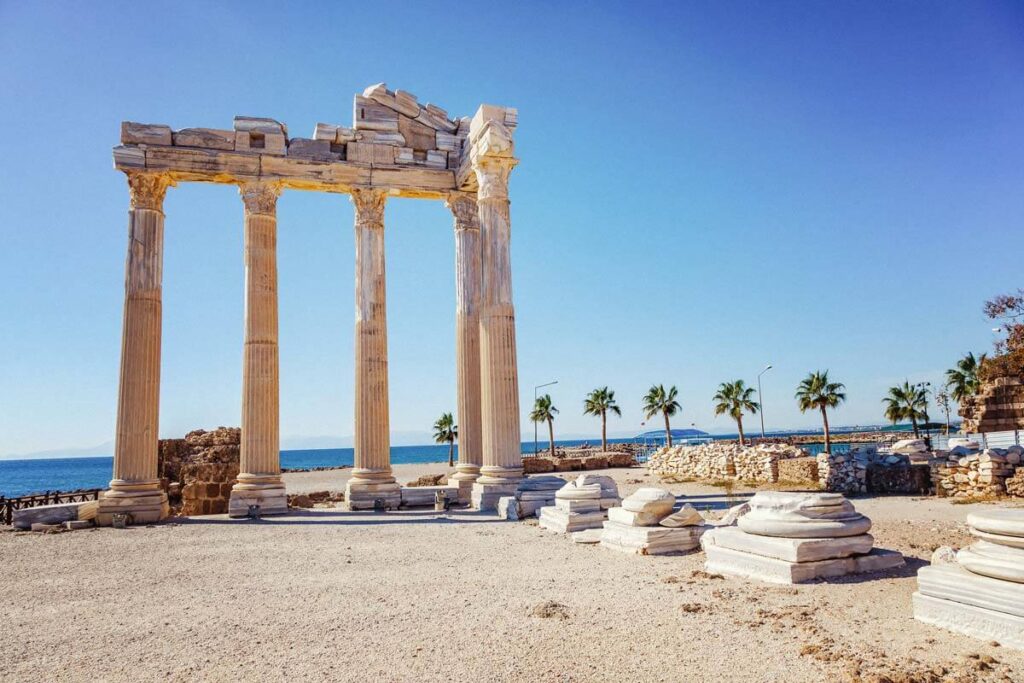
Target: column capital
{"x":464,"y":209}
{"x":147,"y":190}
{"x":492,"y":176}
{"x":260,"y":197}
{"x":369,"y":203}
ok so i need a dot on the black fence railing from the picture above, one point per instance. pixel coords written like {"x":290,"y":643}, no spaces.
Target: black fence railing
{"x":9,"y":505}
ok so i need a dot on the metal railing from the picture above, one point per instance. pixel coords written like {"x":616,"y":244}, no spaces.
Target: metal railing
{"x":940,"y":442}
{"x":9,"y":505}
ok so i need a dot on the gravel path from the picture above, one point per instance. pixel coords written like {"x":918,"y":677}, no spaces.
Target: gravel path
{"x":327,"y":594}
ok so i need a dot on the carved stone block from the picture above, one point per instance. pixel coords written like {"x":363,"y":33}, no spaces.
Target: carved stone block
{"x":207,"y":138}
{"x":144,"y":134}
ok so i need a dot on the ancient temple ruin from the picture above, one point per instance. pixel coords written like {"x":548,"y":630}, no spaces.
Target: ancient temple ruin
{"x":396,"y":147}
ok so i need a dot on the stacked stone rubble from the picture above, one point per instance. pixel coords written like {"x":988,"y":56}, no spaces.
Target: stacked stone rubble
{"x":794,"y":538}
{"x":723,"y":461}
{"x":841,"y":473}
{"x":646,"y":525}
{"x":976,"y":474}
{"x":981,"y":593}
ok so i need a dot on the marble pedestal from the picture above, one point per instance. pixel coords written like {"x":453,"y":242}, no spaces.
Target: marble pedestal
{"x":650,"y":540}
{"x":361,"y":496}
{"x":272,"y":501}
{"x":953,"y":598}
{"x":484,"y":497}
{"x":143,"y":504}
{"x":721,"y":560}
{"x":564,"y":521}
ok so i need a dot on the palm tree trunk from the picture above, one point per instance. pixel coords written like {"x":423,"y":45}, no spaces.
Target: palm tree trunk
{"x":551,"y":436}
{"x":739,"y":424}
{"x":451,"y":454}
{"x":604,"y":432}
{"x":913,"y":421}
{"x":668,"y":431}
{"x":828,"y":438}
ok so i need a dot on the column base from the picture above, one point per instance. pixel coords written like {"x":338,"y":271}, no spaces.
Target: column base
{"x":463,"y":479}
{"x":362,"y":494}
{"x":144,"y":502}
{"x":492,"y":474}
{"x":265,"y":490}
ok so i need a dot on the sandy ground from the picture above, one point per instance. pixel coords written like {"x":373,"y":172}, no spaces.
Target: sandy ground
{"x":418,"y":595}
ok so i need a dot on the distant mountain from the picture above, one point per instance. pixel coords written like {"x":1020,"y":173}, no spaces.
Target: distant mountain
{"x":105,"y":448}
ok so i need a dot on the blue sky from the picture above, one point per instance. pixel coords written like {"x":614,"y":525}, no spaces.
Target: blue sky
{"x":704,"y":188}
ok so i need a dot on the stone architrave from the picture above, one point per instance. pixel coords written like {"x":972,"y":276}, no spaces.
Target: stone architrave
{"x":491,"y":155}
{"x":371,"y":475}
{"x":467,"y":338}
{"x":135,"y":489}
{"x":259,"y":479}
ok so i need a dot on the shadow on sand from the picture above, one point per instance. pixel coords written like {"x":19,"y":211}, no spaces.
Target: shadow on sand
{"x":344,"y":517}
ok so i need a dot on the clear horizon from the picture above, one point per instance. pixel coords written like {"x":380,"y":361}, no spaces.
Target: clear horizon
{"x":703,"y":190}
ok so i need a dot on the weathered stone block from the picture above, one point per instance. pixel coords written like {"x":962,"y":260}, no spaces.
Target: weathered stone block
{"x":145,"y":134}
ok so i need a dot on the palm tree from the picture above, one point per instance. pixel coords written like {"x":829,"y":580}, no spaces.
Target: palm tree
{"x":657,"y":401}
{"x":963,"y":379}
{"x":906,"y":402}
{"x":601,"y":402}
{"x":734,"y":398}
{"x":544,"y":411}
{"x":445,"y":431}
{"x":817,"y":392}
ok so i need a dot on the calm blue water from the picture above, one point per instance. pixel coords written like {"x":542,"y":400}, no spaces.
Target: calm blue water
{"x":21,"y":477}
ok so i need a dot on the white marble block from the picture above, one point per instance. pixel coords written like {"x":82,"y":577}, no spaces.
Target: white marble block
{"x":650,"y":540}
{"x":54,"y":514}
{"x":621,"y":515}
{"x":561,"y":521}
{"x":578,"y":505}
{"x":792,"y":549}
{"x":721,"y":560}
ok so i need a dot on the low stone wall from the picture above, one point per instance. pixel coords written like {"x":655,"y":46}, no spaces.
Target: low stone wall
{"x":799,"y":470}
{"x":978,"y":474}
{"x":201,"y":469}
{"x":899,"y":478}
{"x":842,"y":473}
{"x":587,"y":459}
{"x":723,"y":461}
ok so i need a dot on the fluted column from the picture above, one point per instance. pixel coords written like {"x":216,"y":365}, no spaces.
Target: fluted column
{"x":492,"y":157}
{"x":371,"y":475}
{"x":467,"y":337}
{"x":259,"y":479}
{"x":135,"y":489}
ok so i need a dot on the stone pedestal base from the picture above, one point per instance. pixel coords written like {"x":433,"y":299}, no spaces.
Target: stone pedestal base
{"x":793,"y":549}
{"x":425,"y":496}
{"x":721,"y":560}
{"x":363,"y":496}
{"x":562,"y":521}
{"x":485,"y":496}
{"x":143,"y":502}
{"x":463,"y":487}
{"x":650,"y":540}
{"x":272,"y":501}
{"x":977,"y":622}
{"x":950,"y":597}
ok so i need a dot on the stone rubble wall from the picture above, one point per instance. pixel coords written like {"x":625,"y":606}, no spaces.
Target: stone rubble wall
{"x":577,"y":460}
{"x":976,"y":474}
{"x":723,"y":461}
{"x":842,"y":473}
{"x":200,"y":469}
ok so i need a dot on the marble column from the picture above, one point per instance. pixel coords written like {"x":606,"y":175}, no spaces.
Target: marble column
{"x":467,"y":339}
{"x":371,"y":476}
{"x":135,"y":489}
{"x":259,"y":479}
{"x":492,"y":158}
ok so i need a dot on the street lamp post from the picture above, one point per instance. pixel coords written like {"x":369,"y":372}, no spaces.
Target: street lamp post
{"x":760,"y":398}
{"x":539,"y":386}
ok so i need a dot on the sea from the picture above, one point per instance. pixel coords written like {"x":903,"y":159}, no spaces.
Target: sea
{"x":23,"y":477}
